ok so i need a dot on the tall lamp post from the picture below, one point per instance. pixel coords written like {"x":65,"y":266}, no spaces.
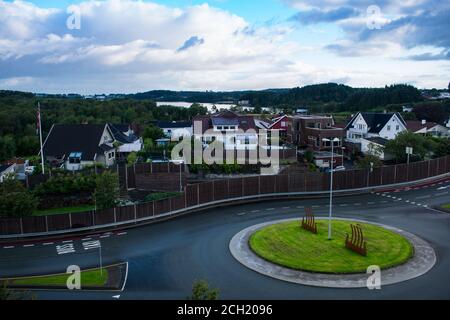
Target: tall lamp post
{"x":332,"y":141}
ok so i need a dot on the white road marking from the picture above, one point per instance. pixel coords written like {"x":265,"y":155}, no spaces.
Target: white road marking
{"x":48,"y":243}
{"x":122,"y":234}
{"x":86,"y":239}
{"x":242,"y":213}
{"x":28,"y":245}
{"x":68,"y":241}
{"x":423,"y":197}
{"x":440,"y":194}
{"x":91,"y":245}
{"x":270,"y":209}
{"x":65,"y":249}
{"x":343,"y":205}
{"x":104,"y":236}
{"x":8,"y":247}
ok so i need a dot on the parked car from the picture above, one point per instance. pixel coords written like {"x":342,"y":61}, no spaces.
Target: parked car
{"x":29,"y":170}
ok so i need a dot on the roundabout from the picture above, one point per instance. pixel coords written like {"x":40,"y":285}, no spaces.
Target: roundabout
{"x":283,"y":250}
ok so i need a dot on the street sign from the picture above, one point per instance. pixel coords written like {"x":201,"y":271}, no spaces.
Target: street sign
{"x":409,"y":150}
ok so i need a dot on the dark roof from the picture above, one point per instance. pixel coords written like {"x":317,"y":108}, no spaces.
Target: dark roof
{"x":218,"y":121}
{"x":378,"y":140}
{"x":418,"y":125}
{"x":3,"y":167}
{"x":173,"y":124}
{"x":376,"y":121}
{"x":64,"y":139}
{"x":119,"y":134}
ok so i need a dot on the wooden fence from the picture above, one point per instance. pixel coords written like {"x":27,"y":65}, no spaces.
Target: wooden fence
{"x":220,"y":190}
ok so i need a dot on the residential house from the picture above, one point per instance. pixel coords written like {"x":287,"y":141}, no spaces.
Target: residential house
{"x":375,"y":146}
{"x":5,"y":170}
{"x":175,"y":131}
{"x":369,"y":125}
{"x":237,"y":132}
{"x":282,"y":124}
{"x":427,"y":128}
{"x":366,"y":130}
{"x":74,"y":146}
{"x":125,"y":140}
{"x":316,"y":133}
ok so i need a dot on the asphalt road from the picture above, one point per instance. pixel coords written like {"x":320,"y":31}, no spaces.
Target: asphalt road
{"x":166,"y":258}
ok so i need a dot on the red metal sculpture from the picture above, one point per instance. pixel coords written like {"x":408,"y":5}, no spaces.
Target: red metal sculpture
{"x":356,"y":243}
{"x":309,"y":222}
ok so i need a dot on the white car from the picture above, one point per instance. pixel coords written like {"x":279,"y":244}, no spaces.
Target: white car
{"x":29,"y":169}
{"x":340,"y":168}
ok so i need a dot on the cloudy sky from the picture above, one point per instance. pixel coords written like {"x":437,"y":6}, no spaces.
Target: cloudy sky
{"x":124,"y":46}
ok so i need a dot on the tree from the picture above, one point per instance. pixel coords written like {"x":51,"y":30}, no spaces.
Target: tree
{"x":107,"y":190}
{"x":15,"y":199}
{"x":202,"y":291}
{"x":365,"y":162}
{"x":397,"y":147}
{"x":132,"y":158}
{"x":153,"y":132}
{"x":7,"y":148}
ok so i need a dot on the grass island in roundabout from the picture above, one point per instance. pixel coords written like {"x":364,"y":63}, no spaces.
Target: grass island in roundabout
{"x":287,"y":244}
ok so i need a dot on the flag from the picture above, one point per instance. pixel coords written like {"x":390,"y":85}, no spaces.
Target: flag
{"x":38,"y":118}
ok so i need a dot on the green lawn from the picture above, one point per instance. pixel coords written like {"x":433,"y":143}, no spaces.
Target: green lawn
{"x":89,"y":278}
{"x":54,"y":211}
{"x":446,"y":206}
{"x":289,"y":245}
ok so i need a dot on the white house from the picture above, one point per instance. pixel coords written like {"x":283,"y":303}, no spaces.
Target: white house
{"x":176,"y":131}
{"x":5,"y":170}
{"x":427,"y":128}
{"x":371,"y":125}
{"x":73,"y":147}
{"x":375,"y":146}
{"x":235,"y":131}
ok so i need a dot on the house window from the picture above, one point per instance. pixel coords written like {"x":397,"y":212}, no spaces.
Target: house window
{"x":75,"y":158}
{"x":219,"y":127}
{"x":283,"y":123}
{"x":397,"y":128}
{"x":388,"y":128}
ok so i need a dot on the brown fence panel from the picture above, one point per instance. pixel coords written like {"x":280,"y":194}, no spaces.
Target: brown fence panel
{"x":235,"y":187}
{"x":58,"y":222}
{"x":9,"y":226}
{"x":315,"y":181}
{"x":104,"y":217}
{"x":162,"y":207}
{"x":282,"y":183}
{"x":401,"y":173}
{"x":82,"y":219}
{"x":177,"y":203}
{"x":388,"y":175}
{"x":191,"y":195}
{"x":267,"y":184}
{"x":33,"y":224}
{"x":144,"y":210}
{"x":296,"y":183}
{"x":359,"y":179}
{"x":375,"y":177}
{"x":220,"y":190}
{"x":125,"y":213}
{"x":442,"y":165}
{"x":340,"y":180}
{"x":251,"y":186}
{"x":131,"y":178}
{"x":417,"y":171}
{"x":206,"y":192}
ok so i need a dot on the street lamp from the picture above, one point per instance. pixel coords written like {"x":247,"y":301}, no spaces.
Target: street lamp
{"x":331,"y":182}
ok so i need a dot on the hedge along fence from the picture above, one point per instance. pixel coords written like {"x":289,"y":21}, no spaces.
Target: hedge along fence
{"x":217,"y":191}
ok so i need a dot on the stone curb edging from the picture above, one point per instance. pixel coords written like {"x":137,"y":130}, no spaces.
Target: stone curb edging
{"x":423,"y":261}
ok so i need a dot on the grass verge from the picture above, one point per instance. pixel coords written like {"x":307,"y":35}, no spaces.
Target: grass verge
{"x":287,"y":244}
{"x":55,"y":211}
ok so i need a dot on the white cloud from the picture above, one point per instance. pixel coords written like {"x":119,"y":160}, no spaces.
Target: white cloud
{"x":129,"y":46}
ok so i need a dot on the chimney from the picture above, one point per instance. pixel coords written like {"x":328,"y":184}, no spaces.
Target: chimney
{"x":424,"y":122}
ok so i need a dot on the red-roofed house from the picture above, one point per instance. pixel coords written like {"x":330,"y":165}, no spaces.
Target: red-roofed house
{"x":427,"y":128}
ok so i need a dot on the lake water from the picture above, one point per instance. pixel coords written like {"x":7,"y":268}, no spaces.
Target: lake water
{"x":188,"y":104}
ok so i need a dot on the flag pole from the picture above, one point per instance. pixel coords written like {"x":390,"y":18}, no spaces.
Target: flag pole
{"x":40,"y":138}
